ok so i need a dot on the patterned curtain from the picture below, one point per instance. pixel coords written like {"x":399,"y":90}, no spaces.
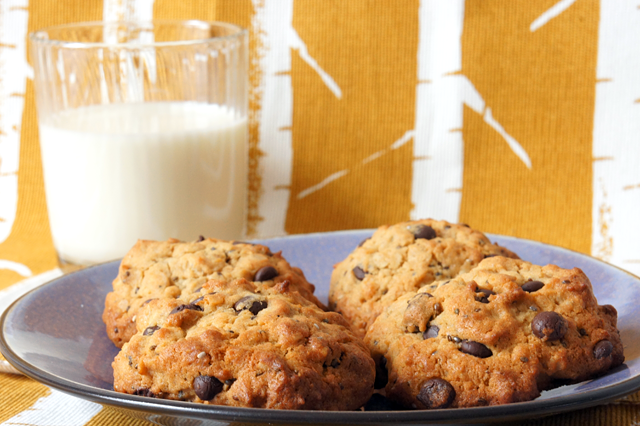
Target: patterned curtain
{"x":517,"y":117}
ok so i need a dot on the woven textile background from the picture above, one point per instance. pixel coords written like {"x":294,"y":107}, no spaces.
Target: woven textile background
{"x":518,"y":117}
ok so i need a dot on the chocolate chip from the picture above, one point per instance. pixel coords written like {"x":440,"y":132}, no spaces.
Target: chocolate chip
{"x":436,"y":393}
{"x":602,"y":349}
{"x":524,"y":359}
{"x":431,"y":332}
{"x":359,"y":273}
{"x":549,"y":326}
{"x":532,"y":286}
{"x":146,"y":301}
{"x":382,"y":376}
{"x":199,"y":299}
{"x":251,"y":303}
{"x":454,"y":339}
{"x":484,"y":298}
{"x":363,"y":241}
{"x":476,"y":349}
{"x":150,"y":330}
{"x":582,"y":331}
{"x":207,"y":387}
{"x":424,"y":231}
{"x":144,"y":392}
{"x":200,"y":238}
{"x":183,"y":307}
{"x":486,"y":256}
{"x":266,"y":273}
{"x":335,"y":363}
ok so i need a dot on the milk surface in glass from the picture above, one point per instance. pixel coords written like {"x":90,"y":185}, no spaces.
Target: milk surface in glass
{"x":121,"y":172}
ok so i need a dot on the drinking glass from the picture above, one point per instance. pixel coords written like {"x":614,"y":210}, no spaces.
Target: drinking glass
{"x":143,"y":133}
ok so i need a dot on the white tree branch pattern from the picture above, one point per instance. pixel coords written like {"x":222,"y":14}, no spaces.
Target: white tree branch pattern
{"x":14,"y":70}
{"x":441,"y":95}
{"x":616,"y":126}
{"x":273,"y":25}
{"x":550,"y":13}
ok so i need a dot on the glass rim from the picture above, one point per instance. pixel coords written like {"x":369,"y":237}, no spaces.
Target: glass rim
{"x":36,"y":37}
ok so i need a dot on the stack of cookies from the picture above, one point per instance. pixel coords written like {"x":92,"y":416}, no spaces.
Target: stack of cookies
{"x":225,"y":323}
{"x":430,"y":313}
{"x":455,"y":321}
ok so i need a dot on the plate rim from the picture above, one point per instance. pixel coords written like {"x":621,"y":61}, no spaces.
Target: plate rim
{"x":527,"y":409}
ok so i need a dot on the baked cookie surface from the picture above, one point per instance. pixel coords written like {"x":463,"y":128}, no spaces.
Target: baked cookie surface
{"x":402,"y":258}
{"x":501,"y":333}
{"x":176,"y":269}
{"x":240,"y":344}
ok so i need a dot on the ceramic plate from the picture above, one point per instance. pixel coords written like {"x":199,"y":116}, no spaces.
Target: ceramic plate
{"x":55,"y":335}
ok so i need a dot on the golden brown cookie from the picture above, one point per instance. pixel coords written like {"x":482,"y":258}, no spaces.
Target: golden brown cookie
{"x":176,"y":269}
{"x":246,"y":345}
{"x":402,"y":258}
{"x":501,"y":333}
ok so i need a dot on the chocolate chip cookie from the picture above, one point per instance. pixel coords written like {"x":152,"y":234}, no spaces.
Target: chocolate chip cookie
{"x":402,"y":258}
{"x":176,"y":269}
{"x":500,"y":333}
{"x":241,"y":344}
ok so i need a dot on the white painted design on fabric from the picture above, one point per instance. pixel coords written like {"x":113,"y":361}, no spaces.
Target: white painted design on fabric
{"x":408,"y":135}
{"x":615,"y":225}
{"x":272,"y":24}
{"x":132,"y":75}
{"x":127,"y":10}
{"x":322,"y":184}
{"x":441,"y":94}
{"x":298,"y":44}
{"x":14,"y":71}
{"x":513,"y":144}
{"x":56,"y":409}
{"x":551,"y":13}
{"x":15,"y":267}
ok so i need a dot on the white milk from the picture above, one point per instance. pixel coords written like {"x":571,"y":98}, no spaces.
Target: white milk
{"x":117,"y":173}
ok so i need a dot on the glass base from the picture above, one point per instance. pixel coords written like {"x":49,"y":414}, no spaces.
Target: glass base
{"x":68,"y":267}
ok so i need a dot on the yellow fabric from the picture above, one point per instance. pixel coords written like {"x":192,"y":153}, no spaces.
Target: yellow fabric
{"x":540,"y":86}
{"x":18,"y":393}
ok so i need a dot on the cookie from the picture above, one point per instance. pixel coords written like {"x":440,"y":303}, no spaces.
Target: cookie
{"x":244,"y":345}
{"x":176,"y":269}
{"x":501,"y":333}
{"x":402,"y":258}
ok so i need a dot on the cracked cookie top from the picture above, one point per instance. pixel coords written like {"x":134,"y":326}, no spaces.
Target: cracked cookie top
{"x":176,"y":269}
{"x":500,"y":333}
{"x":241,"y":344}
{"x":402,"y":258}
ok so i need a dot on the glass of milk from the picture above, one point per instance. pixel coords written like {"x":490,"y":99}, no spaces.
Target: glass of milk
{"x":143,"y":133}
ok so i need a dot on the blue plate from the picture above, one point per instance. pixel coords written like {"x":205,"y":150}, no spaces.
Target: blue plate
{"x":55,"y":335}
